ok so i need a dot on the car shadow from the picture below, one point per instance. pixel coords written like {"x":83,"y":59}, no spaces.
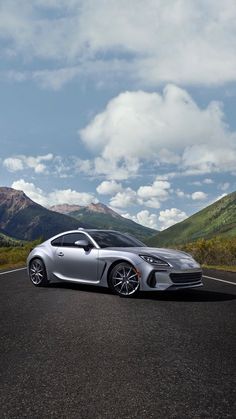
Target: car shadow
{"x":187,"y":295}
{"x":80,"y":287}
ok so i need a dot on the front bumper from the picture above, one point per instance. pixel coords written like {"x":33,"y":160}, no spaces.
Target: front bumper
{"x":161,"y":280}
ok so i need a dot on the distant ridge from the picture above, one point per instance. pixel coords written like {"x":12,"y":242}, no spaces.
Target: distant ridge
{"x":101,"y":216}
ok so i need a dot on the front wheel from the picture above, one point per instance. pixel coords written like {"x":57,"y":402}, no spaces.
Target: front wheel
{"x":37,"y":273}
{"x":124,"y":280}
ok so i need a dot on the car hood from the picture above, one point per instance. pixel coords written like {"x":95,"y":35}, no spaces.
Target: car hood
{"x":155,"y":251}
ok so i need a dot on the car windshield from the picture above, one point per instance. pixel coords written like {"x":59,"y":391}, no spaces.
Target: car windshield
{"x":113,"y":239}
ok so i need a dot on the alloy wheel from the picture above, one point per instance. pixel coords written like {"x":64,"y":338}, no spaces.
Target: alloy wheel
{"x":38,"y":273}
{"x":125,"y":279}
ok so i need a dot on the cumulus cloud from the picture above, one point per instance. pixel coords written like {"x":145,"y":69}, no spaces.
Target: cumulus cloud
{"x":109,"y":187}
{"x":189,"y":42}
{"x":17,"y":163}
{"x":58,"y":196}
{"x":148,"y":195}
{"x":161,"y":221}
{"x":159,"y":128}
{"x":144,"y":218}
{"x":199,"y":196}
{"x":170,"y":217}
{"x":159,"y":189}
{"x":124,"y":199}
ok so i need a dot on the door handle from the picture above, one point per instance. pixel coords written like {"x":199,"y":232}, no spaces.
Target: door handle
{"x":60,"y":254}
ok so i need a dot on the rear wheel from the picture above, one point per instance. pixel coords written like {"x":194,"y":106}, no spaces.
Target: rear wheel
{"x":124,"y":280}
{"x":37,"y":273}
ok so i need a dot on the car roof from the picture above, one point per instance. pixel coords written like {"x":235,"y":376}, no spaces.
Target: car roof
{"x":85,"y":230}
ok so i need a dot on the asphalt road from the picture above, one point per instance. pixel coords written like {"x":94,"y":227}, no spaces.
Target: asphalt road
{"x":70,"y":351}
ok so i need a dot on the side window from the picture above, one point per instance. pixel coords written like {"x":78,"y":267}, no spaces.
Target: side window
{"x":71,"y":238}
{"x":57,"y":242}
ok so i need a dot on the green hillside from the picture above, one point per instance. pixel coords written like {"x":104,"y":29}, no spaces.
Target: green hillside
{"x":112,"y":221}
{"x":218,"y":219}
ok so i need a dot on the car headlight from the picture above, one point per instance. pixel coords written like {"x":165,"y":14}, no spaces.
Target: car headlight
{"x":153,"y":260}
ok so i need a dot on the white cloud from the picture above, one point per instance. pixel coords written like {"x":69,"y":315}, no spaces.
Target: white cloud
{"x":59,"y":196}
{"x":199,"y":196}
{"x":182,"y":194}
{"x":144,"y":218}
{"x":148,"y":126}
{"x":151,"y":203}
{"x":147,"y":219}
{"x":17,"y":163}
{"x":189,"y":42}
{"x":148,"y":195}
{"x":13,"y":164}
{"x":170,"y":217}
{"x":114,"y":169}
{"x":224,"y":186}
{"x":124,"y":199}
{"x":109,"y":187}
{"x":159,"y":189}
{"x":165,"y":219}
{"x":32,"y":191}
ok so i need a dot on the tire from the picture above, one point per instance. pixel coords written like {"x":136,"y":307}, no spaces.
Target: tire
{"x":37,"y":273}
{"x":124,"y":280}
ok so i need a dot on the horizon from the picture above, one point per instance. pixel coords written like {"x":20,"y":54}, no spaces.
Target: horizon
{"x":51,"y":208}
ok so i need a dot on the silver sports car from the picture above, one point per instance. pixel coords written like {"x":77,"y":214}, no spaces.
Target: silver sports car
{"x":111,"y":259}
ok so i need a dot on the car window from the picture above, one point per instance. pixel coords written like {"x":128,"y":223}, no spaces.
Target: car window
{"x":71,"y":238}
{"x":57,"y":242}
{"x":113,"y":239}
{"x":68,"y":240}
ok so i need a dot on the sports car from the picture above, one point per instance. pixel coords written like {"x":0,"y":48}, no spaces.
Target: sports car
{"x":111,"y":259}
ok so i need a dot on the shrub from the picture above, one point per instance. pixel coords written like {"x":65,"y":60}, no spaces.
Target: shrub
{"x":216,"y":251}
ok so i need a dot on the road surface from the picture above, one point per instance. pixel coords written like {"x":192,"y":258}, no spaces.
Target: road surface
{"x":73,"y":351}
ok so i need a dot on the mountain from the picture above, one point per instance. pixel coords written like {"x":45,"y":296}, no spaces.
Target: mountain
{"x":218,"y":219}
{"x":23,"y":219}
{"x":100,"y":216}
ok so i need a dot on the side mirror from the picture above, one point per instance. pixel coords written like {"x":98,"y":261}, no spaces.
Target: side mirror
{"x":84,"y":244}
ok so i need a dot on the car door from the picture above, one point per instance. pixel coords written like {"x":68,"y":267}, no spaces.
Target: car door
{"x":74,"y":263}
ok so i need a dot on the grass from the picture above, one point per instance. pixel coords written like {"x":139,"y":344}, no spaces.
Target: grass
{"x":15,"y":257}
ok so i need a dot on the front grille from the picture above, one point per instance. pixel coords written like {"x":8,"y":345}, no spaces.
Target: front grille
{"x":186,"y":277}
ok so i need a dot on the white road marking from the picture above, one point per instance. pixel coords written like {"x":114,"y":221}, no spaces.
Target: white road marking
{"x":220,"y":280}
{"x":13,"y":270}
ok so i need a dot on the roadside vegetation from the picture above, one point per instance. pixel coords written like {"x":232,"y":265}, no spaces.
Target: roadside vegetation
{"x":15,"y":256}
{"x":216,"y":253}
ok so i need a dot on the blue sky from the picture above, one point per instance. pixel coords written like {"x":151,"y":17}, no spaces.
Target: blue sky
{"x":130,"y":103}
